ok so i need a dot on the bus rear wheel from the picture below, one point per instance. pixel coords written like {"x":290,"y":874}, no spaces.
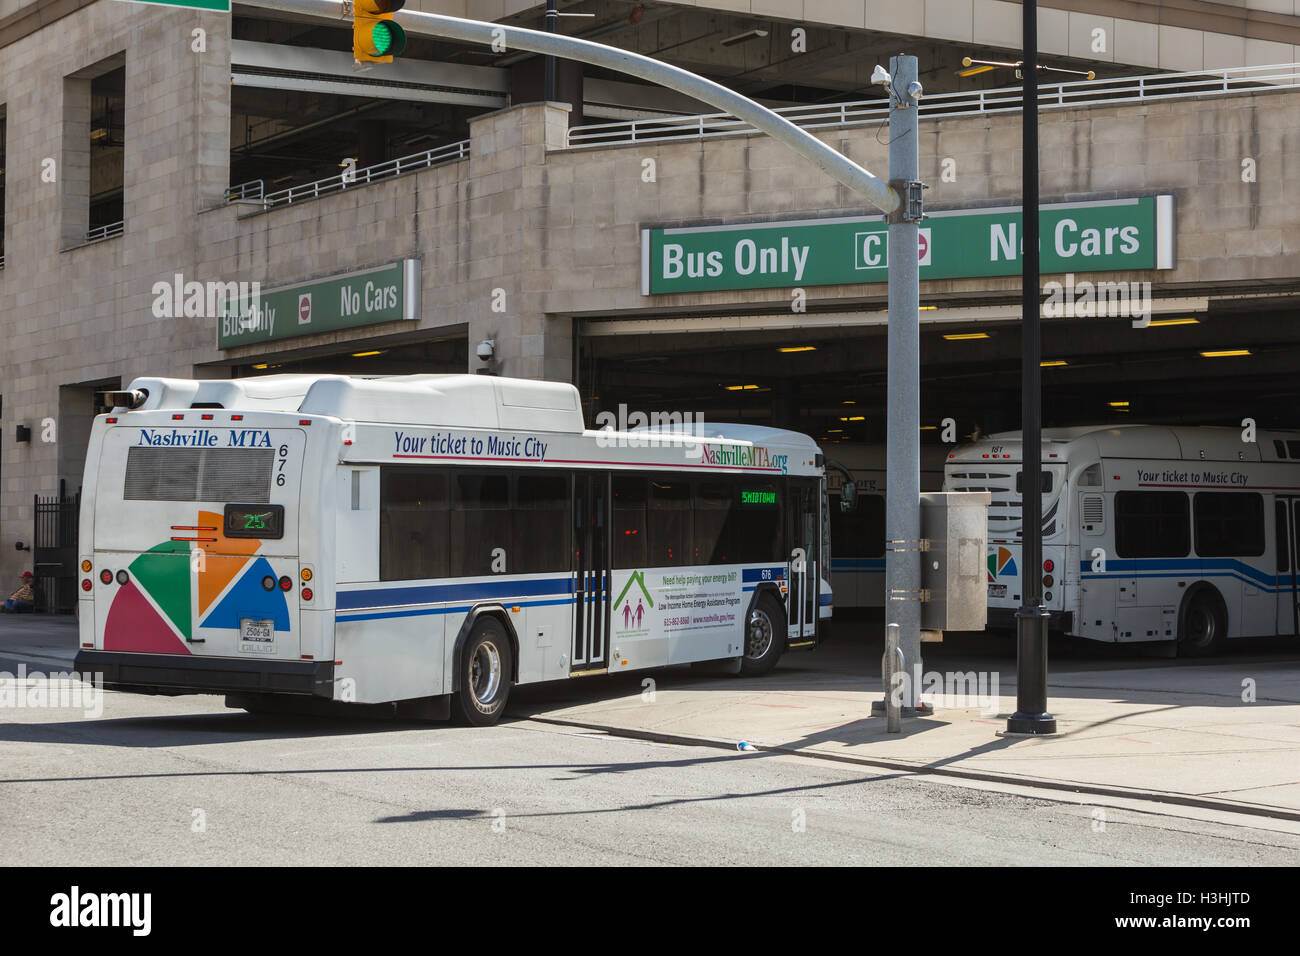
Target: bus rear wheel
{"x":1203,"y":625}
{"x":764,"y":637}
{"x":485,"y":668}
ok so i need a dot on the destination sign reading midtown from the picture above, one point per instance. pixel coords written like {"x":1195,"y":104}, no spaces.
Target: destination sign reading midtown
{"x":1105,"y":236}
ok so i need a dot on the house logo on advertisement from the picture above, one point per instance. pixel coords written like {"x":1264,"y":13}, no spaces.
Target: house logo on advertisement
{"x":633,"y":614}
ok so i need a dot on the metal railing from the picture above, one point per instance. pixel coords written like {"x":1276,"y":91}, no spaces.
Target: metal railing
{"x":349,"y":179}
{"x":105,"y":232}
{"x":251,"y":191}
{"x":1068,"y":95}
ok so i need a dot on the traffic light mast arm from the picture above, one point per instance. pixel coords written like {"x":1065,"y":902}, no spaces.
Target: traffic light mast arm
{"x":824,"y":157}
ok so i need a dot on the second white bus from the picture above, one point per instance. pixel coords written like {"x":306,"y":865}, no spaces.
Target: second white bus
{"x":1150,"y":533}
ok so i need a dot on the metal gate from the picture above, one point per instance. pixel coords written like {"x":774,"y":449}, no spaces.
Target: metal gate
{"x":54,"y":553}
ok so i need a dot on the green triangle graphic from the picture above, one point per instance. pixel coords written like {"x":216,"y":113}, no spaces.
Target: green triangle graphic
{"x":164,"y":573}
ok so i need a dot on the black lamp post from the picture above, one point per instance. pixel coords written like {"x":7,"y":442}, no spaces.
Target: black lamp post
{"x":1031,"y":715}
{"x":552,"y":24}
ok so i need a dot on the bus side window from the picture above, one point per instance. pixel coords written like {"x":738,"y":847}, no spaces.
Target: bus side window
{"x":1228,"y":524}
{"x":712,"y":507}
{"x":541,"y":523}
{"x":480,"y":522}
{"x":669,"y":517}
{"x":629,"y":530}
{"x":1152,"y":524}
{"x":412,"y":524}
{"x":756,"y":522}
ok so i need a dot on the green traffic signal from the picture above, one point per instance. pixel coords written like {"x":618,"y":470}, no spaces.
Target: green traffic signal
{"x":388,"y":38}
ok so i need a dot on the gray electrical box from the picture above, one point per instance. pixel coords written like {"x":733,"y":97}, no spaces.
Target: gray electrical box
{"x":954,"y":569}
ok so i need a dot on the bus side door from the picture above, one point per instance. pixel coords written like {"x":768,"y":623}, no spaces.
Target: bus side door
{"x":1287,"y":536}
{"x":803,"y":535}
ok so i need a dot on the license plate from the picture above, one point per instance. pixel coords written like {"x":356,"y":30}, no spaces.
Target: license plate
{"x":256,"y":637}
{"x":997,"y":590}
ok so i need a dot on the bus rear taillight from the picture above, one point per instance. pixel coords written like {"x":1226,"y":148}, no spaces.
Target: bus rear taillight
{"x":1049,"y":565}
{"x":85,"y":584}
{"x":106,"y":576}
{"x":286,"y":583}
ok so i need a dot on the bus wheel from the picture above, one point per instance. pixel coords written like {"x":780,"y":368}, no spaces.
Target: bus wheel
{"x":764,"y":637}
{"x":1203,"y":625}
{"x":485,"y":667}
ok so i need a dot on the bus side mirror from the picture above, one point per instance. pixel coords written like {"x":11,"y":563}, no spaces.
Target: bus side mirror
{"x":849,"y":497}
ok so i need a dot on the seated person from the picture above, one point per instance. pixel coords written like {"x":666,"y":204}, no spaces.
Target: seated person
{"x":22,"y":600}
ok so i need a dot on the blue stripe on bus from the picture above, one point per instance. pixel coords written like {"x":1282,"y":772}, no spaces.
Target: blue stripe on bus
{"x":362,"y":598}
{"x":1187,"y":567}
{"x":857,"y":565}
{"x":417,"y":612}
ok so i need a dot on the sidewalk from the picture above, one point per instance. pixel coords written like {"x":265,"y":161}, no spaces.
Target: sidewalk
{"x":1175,"y":731}
{"x":41,"y":641}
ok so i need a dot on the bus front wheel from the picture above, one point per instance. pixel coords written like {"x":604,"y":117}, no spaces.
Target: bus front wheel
{"x":1203,"y":625}
{"x":764,"y":637}
{"x":485,"y":668}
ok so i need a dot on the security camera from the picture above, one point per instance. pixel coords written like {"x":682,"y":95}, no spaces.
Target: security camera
{"x":880,"y":76}
{"x":915,"y":90}
{"x":486,"y":349}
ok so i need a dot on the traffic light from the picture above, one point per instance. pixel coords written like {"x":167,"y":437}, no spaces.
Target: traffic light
{"x":375,"y":37}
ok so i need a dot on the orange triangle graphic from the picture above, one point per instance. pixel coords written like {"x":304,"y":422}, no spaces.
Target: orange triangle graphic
{"x":223,"y":558}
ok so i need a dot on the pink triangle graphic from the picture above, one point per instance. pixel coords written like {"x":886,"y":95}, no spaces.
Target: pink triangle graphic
{"x":133,"y":625}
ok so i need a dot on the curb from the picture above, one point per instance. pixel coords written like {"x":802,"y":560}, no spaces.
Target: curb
{"x":1149,"y":796}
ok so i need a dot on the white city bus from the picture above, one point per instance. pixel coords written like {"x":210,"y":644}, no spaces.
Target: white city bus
{"x":1150,"y":533}
{"x":431,"y":540}
{"x":858,"y":535}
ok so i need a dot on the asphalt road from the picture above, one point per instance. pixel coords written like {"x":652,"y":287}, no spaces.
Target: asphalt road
{"x":184,"y":781}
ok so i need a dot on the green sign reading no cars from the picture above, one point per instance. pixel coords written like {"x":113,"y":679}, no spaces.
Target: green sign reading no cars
{"x":388,"y":293}
{"x":1108,"y":236}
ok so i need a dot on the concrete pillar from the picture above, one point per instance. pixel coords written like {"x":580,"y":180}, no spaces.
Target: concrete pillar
{"x":507,"y":187}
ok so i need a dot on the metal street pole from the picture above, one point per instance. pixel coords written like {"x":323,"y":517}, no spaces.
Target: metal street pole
{"x":903,"y":402}
{"x":1031,"y":715}
{"x":552,"y":22}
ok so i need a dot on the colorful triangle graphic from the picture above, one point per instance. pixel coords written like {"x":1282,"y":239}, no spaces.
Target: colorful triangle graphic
{"x":248,"y":598}
{"x":134,"y":625}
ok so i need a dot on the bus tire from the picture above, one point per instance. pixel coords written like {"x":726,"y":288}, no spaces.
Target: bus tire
{"x":1203,"y":624}
{"x":764,"y":637}
{"x":484,"y":680}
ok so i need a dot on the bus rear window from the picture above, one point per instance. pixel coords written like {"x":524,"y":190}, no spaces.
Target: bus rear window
{"x":198,"y":474}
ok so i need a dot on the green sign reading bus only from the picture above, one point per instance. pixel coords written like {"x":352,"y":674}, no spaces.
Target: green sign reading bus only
{"x":1108,"y":236}
{"x":388,"y":293}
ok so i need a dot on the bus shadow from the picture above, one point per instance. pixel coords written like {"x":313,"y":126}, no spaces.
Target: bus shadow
{"x":198,"y":729}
